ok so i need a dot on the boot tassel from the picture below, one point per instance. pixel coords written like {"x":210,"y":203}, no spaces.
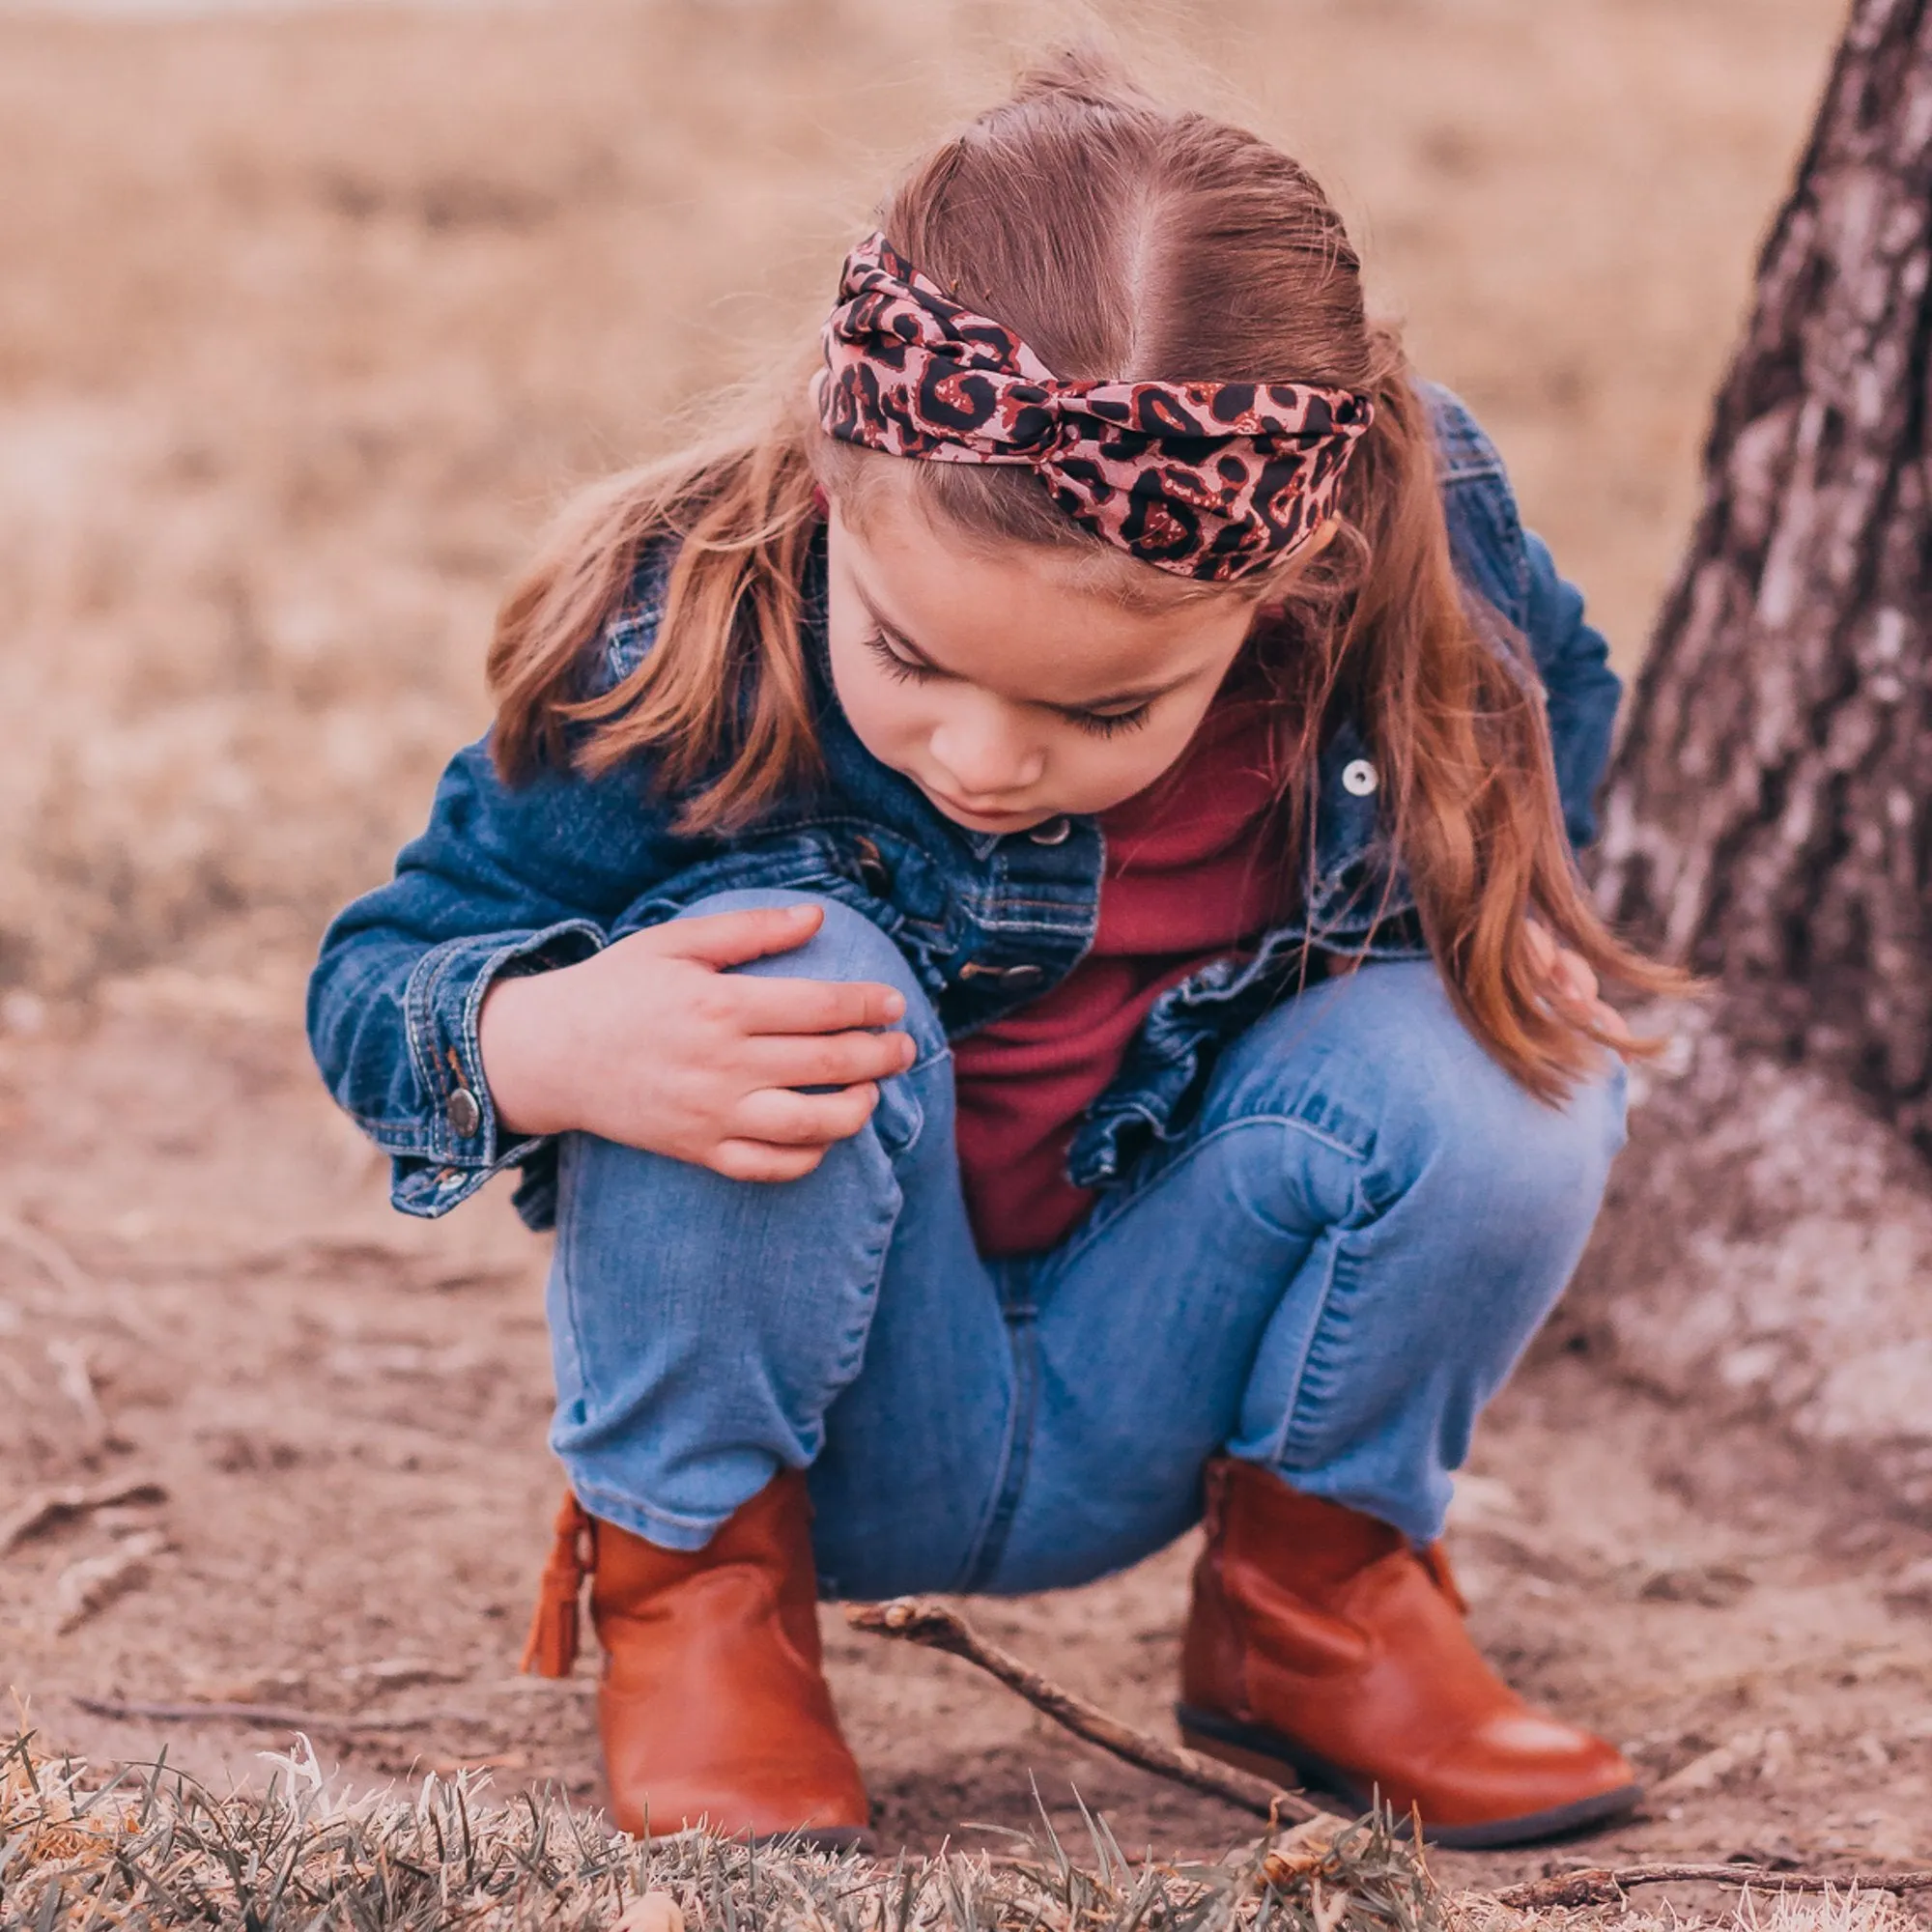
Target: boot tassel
{"x":551,"y":1649}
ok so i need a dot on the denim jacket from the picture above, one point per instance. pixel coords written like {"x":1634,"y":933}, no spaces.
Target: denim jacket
{"x":521,"y":880}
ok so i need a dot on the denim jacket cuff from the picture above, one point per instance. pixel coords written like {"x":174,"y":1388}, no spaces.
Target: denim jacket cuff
{"x":454,"y":1145}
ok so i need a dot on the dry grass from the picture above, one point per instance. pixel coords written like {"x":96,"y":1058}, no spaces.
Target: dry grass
{"x":305,"y":319}
{"x":152,"y":1848}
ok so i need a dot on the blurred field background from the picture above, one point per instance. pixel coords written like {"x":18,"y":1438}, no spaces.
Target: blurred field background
{"x":307,"y":318}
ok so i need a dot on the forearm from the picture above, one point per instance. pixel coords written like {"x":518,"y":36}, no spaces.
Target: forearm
{"x":526,"y":1065}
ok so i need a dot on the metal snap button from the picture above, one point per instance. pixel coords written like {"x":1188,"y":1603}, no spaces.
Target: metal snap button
{"x":875,"y":874}
{"x":464,"y":1114}
{"x":1359,"y":777}
{"x":1053,"y":832}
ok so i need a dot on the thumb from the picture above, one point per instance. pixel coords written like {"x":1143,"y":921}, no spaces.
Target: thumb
{"x":723,"y":939}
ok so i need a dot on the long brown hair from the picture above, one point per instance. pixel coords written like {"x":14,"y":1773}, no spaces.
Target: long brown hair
{"x":1118,"y":238}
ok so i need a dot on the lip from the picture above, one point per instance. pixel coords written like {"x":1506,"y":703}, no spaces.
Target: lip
{"x":983,"y":821}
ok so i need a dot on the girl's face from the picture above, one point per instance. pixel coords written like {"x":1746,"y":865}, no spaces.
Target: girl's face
{"x":999,"y":683}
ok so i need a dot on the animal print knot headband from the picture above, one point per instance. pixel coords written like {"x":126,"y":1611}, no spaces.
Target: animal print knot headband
{"x":1209,"y":480}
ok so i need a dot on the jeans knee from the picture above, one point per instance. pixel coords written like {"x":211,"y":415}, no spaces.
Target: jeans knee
{"x":1455,"y":1116}
{"x":848,"y":946}
{"x":1431,"y":1108}
{"x":1540,"y":1167}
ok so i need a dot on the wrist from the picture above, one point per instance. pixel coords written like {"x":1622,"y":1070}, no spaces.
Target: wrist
{"x":512,"y":1038}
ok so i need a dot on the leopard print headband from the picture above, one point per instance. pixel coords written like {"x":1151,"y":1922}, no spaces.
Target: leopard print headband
{"x":1209,"y":480}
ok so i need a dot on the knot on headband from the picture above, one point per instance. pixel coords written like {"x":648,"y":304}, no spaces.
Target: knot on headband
{"x":1209,"y":480}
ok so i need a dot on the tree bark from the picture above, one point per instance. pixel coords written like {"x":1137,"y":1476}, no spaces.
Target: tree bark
{"x":1770,"y":818}
{"x":1769,"y":821}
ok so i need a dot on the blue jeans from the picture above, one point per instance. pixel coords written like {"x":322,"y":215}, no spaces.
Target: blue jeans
{"x":1329,"y":1273}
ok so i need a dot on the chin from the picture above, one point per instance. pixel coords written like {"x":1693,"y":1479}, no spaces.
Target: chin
{"x":994,"y":821}
{"x":988,"y":821}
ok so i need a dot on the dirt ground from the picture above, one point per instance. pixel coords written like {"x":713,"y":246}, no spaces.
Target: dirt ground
{"x":203,"y":1290}
{"x":303,"y":320}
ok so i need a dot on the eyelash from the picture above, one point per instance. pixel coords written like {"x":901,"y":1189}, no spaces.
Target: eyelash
{"x":1100,"y":724}
{"x":901,"y":670}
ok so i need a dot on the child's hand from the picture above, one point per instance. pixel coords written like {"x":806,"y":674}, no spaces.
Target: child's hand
{"x":1571,"y":984}
{"x":651,"y":1044}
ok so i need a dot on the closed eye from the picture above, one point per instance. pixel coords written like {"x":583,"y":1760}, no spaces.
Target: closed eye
{"x":911,"y":670}
{"x":1110,"y":723}
{"x":907,"y":670}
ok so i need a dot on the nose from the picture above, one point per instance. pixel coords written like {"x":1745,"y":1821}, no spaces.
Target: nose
{"x":982,"y":755}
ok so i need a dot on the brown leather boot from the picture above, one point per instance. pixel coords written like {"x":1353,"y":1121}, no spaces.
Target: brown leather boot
{"x":714,"y":1706}
{"x":1321,"y":1640}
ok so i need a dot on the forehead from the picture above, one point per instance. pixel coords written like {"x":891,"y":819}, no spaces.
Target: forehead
{"x":1033,"y":623}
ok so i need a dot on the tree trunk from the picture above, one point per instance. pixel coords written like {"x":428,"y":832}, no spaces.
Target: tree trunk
{"x":1768,"y":1244}
{"x":1770,"y":819}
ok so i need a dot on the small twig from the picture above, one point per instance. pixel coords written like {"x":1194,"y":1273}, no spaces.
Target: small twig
{"x":90,"y":1585}
{"x":281,"y":1716}
{"x":75,"y":1380}
{"x":48,"y":1255}
{"x":1606,"y":1885}
{"x":921,"y":1621}
{"x":48,"y":1509}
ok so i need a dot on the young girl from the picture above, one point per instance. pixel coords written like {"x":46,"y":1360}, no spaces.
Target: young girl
{"x":1019,"y":921}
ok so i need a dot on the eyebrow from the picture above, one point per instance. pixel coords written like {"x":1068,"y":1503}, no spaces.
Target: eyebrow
{"x":1131,"y":699}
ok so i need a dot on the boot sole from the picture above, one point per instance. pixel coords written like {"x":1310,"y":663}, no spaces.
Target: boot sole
{"x":1266,"y":1752}
{"x":831,"y":1838}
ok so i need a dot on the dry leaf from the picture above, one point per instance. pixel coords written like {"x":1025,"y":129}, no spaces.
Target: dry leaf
{"x":1301,"y":1851}
{"x":1704,"y":1772}
{"x":655,"y":1912}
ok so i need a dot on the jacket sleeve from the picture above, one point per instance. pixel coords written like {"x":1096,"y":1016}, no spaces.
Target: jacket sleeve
{"x":501,"y":880}
{"x":1511,"y":569}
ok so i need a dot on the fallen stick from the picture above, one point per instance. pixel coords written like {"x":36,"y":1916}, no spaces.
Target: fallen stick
{"x":277,"y":1714}
{"x":921,"y":1621}
{"x":1606,"y":1885}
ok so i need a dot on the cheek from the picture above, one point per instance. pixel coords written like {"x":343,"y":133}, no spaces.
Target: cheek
{"x":884,"y":721}
{"x":883,"y":710}
{"x":1099,"y":773}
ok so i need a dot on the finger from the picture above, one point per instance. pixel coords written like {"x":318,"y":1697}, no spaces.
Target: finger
{"x":816,"y":1006}
{"x":1542,"y":947}
{"x":758,"y":1160}
{"x":1579,"y":978}
{"x":786,"y":1118}
{"x":1610,"y":1023}
{"x":827,"y":1059}
{"x":733,"y":938}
